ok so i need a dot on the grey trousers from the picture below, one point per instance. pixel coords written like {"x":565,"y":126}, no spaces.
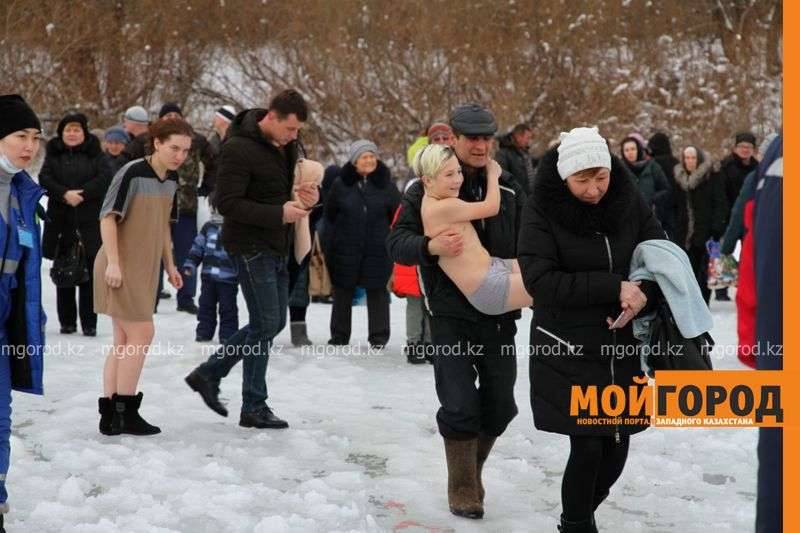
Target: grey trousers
{"x":418,"y":327}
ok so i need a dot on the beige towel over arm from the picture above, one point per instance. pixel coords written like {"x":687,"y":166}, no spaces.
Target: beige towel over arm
{"x":305,"y":171}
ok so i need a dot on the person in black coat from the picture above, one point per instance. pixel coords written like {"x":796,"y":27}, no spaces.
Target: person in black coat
{"x":648,"y":176}
{"x":513,"y":155}
{"x":76,"y":175}
{"x":578,"y":234}
{"x":701,"y":210}
{"x":358,"y":213}
{"x":661,"y":151}
{"x":733,"y":170}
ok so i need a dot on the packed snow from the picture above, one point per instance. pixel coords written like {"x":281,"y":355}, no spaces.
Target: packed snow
{"x":362,"y":452}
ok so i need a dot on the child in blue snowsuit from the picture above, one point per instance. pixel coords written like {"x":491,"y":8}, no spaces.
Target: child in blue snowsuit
{"x":219,"y":285}
{"x":22,"y":317}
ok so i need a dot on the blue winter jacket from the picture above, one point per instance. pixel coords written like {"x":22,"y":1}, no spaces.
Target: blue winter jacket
{"x":22,"y":316}
{"x":768,"y":255}
{"x":207,"y":249}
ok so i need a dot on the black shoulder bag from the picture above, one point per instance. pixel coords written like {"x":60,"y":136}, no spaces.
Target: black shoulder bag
{"x":669,"y":350}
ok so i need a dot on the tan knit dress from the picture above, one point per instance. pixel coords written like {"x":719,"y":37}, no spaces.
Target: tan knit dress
{"x":144,"y":206}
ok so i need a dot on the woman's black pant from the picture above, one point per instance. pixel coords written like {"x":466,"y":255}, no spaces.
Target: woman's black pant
{"x":594,"y":464}
{"x":698,"y":257}
{"x":377,"y":315}
{"x":67,"y":308}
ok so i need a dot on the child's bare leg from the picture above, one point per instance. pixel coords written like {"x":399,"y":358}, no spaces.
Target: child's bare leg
{"x":515,"y":266}
{"x":517,"y":297}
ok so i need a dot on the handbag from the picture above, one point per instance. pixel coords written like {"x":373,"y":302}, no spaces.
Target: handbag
{"x":319,"y":283}
{"x":669,"y":350}
{"x":70,"y":266}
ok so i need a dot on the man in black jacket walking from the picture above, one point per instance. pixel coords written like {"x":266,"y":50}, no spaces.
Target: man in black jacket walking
{"x":466,"y":343}
{"x":254,"y":195}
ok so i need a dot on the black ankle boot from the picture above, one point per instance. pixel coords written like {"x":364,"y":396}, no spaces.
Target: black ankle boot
{"x":106,"y":409}
{"x":126,"y":417}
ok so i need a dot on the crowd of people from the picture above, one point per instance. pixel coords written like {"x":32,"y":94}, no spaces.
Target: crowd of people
{"x":473,"y":235}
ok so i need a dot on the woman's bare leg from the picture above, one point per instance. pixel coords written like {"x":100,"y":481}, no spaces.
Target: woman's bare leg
{"x":131,"y":360}
{"x":110,"y":367}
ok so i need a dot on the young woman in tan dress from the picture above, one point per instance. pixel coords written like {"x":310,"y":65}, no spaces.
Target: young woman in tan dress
{"x":135,"y":227}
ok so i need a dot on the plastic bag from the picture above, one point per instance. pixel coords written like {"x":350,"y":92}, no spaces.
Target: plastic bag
{"x":723,"y":271}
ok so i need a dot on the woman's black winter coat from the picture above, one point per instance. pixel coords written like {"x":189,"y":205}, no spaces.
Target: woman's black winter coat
{"x":701,"y":207}
{"x":358,"y":215}
{"x":81,"y":167}
{"x":573,"y":258}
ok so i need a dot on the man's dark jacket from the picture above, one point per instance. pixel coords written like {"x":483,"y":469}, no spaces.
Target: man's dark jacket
{"x":255,"y":179}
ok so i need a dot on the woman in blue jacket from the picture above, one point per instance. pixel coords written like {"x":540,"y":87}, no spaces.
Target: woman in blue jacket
{"x":21,"y":315}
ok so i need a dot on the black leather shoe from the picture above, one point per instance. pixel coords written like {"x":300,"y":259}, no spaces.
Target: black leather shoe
{"x":90,"y":332}
{"x":164,"y":295}
{"x":415,"y":353}
{"x":67,"y":330}
{"x":201,"y":338}
{"x":190,"y":308}
{"x":208,"y":390}
{"x":262,"y":418}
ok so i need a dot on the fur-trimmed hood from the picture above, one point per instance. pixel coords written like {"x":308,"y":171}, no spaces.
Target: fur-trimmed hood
{"x":690,"y":181}
{"x":380,"y":177}
{"x":552,"y":196}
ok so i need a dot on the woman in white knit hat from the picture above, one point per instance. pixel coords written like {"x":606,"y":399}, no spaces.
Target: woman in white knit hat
{"x":575,"y":245}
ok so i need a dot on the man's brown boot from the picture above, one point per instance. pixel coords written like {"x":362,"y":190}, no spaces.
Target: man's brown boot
{"x":462,"y":478}
{"x":485,"y":444}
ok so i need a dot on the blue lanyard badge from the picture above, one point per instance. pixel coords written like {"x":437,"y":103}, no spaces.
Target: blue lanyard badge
{"x":25,"y":236}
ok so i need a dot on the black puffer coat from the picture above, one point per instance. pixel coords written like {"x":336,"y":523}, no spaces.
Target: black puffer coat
{"x":82,"y":167}
{"x":358,"y":214}
{"x":255,"y":180}
{"x":573,"y":258}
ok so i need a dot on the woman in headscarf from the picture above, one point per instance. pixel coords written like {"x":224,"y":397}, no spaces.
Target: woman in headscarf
{"x":701,"y":209}
{"x":648,"y":175}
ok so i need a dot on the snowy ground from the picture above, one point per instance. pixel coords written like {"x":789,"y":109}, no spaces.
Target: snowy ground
{"x":362,"y":453}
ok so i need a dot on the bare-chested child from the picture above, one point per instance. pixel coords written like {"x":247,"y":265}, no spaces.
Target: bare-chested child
{"x":492,"y":285}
